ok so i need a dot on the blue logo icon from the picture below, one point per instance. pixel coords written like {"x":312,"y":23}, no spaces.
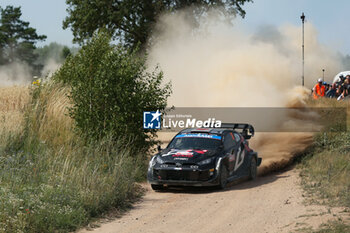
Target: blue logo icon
{"x":151,"y":120}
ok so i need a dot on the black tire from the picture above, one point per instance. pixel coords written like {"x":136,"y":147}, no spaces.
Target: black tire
{"x":157,"y":187}
{"x":253,"y":170}
{"x":223,"y":177}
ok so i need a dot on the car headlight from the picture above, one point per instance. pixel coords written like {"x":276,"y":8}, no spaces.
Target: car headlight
{"x":159,"y":160}
{"x":206,"y":161}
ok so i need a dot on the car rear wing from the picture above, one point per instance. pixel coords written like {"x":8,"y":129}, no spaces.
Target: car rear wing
{"x":247,"y":130}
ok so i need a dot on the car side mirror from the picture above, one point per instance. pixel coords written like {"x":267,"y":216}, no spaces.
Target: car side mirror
{"x":159,"y":148}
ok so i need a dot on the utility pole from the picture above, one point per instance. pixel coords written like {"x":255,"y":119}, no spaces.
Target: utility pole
{"x":302,"y":17}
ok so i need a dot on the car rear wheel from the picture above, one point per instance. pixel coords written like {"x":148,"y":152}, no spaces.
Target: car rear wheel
{"x":253,"y":169}
{"x":157,"y":187}
{"x":223,"y":177}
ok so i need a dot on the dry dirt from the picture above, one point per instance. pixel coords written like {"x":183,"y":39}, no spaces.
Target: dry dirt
{"x":272,"y":203}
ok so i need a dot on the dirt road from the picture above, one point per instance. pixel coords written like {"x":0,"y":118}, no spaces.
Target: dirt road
{"x":272,"y":203}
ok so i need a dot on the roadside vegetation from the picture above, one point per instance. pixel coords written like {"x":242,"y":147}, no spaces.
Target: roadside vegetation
{"x":328,"y":168}
{"x":58,"y":166}
{"x":334,"y":227}
{"x":325,"y":170}
{"x":329,"y":227}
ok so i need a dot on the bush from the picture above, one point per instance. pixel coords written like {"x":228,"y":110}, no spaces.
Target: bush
{"x":54,"y":179}
{"x":110,"y":90}
{"x":51,"y":179}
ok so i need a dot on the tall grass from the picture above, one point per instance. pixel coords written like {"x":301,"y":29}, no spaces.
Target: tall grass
{"x":51,"y":180}
{"x":13,"y":101}
{"x":326,"y":170}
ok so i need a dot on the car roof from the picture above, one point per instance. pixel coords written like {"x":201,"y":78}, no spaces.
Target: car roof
{"x":218,"y":131}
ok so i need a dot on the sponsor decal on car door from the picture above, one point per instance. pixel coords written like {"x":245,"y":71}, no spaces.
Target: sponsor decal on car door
{"x":240,"y":158}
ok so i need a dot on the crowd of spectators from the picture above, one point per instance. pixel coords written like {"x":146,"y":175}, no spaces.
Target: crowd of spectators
{"x":339,"y":89}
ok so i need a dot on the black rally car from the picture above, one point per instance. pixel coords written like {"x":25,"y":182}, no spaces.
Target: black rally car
{"x":205,"y":157}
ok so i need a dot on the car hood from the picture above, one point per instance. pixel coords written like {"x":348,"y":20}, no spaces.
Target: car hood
{"x":185,"y":155}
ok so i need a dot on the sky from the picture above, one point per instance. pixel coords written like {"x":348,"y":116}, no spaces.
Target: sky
{"x":329,"y":17}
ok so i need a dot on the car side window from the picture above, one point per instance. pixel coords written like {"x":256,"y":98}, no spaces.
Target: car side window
{"x":228,"y":141}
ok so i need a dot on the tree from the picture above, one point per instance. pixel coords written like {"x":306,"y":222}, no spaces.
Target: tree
{"x":52,"y":51}
{"x":17,"y":39}
{"x":110,"y":90}
{"x":65,"y":52}
{"x":132,"y":21}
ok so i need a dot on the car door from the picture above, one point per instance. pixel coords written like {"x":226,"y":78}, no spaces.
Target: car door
{"x":241,"y":157}
{"x":230,"y":148}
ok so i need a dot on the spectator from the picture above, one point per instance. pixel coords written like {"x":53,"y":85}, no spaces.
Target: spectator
{"x":347,"y":83}
{"x":326,"y":85}
{"x":343,"y":94}
{"x":332,"y":92}
{"x":339,"y":91}
{"x":319,"y":89}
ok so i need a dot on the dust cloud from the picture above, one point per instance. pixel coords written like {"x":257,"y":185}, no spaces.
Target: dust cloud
{"x":18,"y":74}
{"x":51,"y":66}
{"x":15,"y":74}
{"x":218,"y":64}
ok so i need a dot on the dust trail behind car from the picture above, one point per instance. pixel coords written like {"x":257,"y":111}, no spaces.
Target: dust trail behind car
{"x":217,"y":65}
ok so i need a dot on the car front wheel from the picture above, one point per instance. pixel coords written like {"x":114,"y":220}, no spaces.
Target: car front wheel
{"x":223,"y":177}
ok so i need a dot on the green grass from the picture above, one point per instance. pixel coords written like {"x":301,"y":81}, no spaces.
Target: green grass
{"x":51,"y":180}
{"x":329,"y":227}
{"x":44,"y":192}
{"x":326,"y":170}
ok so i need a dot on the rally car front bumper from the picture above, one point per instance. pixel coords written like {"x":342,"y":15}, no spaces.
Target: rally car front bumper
{"x":183,"y":176}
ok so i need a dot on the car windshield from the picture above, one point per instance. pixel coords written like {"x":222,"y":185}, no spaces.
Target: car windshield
{"x":195,"y":141}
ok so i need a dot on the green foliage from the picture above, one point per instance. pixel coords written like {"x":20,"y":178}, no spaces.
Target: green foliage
{"x":132,"y":21}
{"x":333,"y":227}
{"x":326,"y":170}
{"x":17,"y":39}
{"x":58,"y":186}
{"x":110,"y":90}
{"x":65,"y":52}
{"x":54,"y":51}
{"x":43,"y":191}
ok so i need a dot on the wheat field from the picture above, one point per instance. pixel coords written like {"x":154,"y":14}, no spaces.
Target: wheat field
{"x":13,"y":101}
